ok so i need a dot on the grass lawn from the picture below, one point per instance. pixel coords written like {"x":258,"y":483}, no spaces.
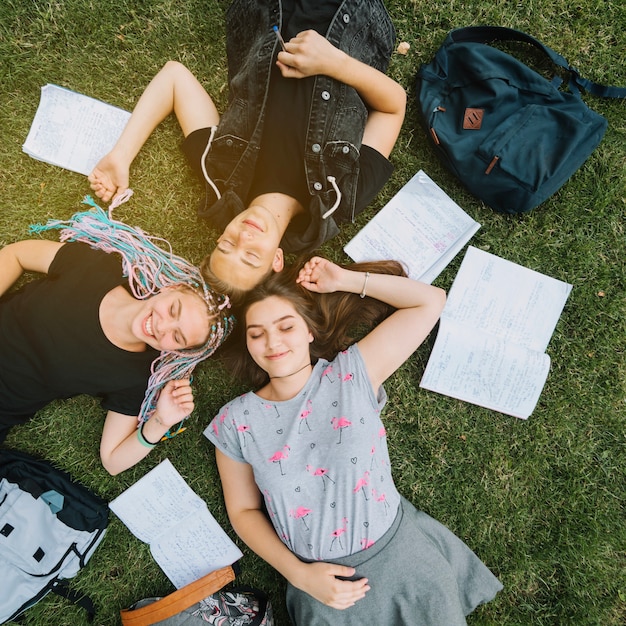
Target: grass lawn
{"x":540,"y":501}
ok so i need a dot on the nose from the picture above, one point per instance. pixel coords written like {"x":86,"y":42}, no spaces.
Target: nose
{"x":272,"y":340}
{"x":244,"y":236}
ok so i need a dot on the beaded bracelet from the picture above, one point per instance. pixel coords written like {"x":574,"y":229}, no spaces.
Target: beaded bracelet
{"x":142,"y":440}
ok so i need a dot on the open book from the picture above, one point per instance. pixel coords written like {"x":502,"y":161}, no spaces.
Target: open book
{"x":73,"y":131}
{"x":185,"y":539}
{"x":421,"y":226}
{"x":494,"y":330}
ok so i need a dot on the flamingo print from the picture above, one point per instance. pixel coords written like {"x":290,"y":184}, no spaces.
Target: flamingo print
{"x":221,"y":419}
{"x":322,"y":472}
{"x":245,"y":429}
{"x":348,"y":377}
{"x":279,"y":456}
{"x":381,"y":498}
{"x":367,"y":543}
{"x":373,"y":453}
{"x":336,"y":534}
{"x":270,"y":407}
{"x":339,"y":423}
{"x":361,"y":484}
{"x":327,"y":372}
{"x":301,"y":513}
{"x":272,"y":514}
{"x":304,"y":415}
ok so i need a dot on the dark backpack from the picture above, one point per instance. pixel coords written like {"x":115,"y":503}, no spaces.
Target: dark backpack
{"x":508,"y":134}
{"x":49,"y":528}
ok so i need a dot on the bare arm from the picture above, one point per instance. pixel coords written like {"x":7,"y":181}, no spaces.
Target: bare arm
{"x":120,"y":447}
{"x":30,"y":255}
{"x":393,"y":341}
{"x":173,"y":90}
{"x":243,"y":503}
{"x":309,"y":54}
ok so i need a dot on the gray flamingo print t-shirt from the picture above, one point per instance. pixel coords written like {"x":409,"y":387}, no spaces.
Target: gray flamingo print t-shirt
{"x":320,"y":459}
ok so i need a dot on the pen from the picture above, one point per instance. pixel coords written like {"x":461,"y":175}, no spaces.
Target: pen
{"x":280,"y":38}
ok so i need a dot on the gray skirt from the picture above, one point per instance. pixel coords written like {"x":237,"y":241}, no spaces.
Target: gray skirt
{"x":419,"y":572}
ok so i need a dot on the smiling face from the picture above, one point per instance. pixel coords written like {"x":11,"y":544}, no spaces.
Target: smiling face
{"x":247,"y":251}
{"x":277,"y":337}
{"x":174,"y":319}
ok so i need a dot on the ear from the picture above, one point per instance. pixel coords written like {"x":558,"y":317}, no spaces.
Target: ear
{"x":279,"y":260}
{"x":311,"y":338}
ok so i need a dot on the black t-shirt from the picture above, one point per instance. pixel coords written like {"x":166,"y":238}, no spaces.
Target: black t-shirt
{"x":52,"y":344}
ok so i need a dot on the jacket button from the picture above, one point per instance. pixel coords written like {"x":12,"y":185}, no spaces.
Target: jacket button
{"x":325,"y":95}
{"x":345,"y":149}
{"x":317,"y":186}
{"x":316,"y":148}
{"x":229,"y":143}
{"x":346,"y":18}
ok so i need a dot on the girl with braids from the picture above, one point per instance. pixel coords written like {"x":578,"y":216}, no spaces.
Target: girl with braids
{"x":130,"y":332}
{"x":304,"y":463}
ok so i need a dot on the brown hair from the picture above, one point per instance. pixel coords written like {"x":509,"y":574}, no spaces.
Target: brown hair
{"x":335,"y":319}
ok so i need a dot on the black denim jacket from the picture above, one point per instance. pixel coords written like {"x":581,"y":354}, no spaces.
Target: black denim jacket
{"x":362,"y":29}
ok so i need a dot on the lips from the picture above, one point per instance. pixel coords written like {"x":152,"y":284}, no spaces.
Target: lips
{"x":276,"y":357}
{"x":252,"y":224}
{"x":147,"y":326}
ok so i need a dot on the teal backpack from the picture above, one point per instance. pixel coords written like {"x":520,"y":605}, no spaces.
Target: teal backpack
{"x":511,"y":136}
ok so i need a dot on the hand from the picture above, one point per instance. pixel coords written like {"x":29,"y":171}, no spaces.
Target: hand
{"x":109,"y":178}
{"x":175,"y":402}
{"x":322,"y":583}
{"x":309,"y":54}
{"x":320,"y":275}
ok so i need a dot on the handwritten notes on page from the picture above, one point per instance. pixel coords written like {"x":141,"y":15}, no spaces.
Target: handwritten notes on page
{"x":420,"y":226}
{"x":494,"y":330}
{"x":73,"y":131}
{"x":185,"y":539}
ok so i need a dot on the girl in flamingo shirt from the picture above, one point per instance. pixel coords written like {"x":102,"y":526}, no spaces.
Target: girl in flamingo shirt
{"x":310,"y":448}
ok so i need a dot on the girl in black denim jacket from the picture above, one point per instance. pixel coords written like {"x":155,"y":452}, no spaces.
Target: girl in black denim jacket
{"x":289,"y":160}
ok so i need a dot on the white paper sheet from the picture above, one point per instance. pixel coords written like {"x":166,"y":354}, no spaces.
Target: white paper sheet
{"x":420,"y":226}
{"x":493,"y":333}
{"x":73,"y":131}
{"x":185,"y":539}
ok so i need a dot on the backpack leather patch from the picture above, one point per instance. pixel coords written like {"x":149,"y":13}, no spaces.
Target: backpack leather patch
{"x":473,"y":119}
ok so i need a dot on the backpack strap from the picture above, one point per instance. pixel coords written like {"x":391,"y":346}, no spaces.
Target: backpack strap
{"x":178,"y":600}
{"x":487,"y":34}
{"x":62,"y":588}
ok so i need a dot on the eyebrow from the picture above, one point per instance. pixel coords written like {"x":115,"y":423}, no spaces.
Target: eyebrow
{"x":242,"y":259}
{"x":278,"y":321}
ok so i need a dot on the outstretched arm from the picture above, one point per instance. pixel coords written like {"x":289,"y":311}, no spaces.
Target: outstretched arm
{"x":309,"y":54}
{"x":30,"y":255}
{"x":243,"y":503}
{"x":393,"y":341}
{"x":173,"y":90}
{"x":120,"y":447}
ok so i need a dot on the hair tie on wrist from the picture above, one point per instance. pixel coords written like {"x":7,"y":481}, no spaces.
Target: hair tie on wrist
{"x":142,"y":440}
{"x":367,"y":275}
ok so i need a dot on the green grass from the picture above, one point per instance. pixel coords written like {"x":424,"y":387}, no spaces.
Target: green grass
{"x":540,"y":501}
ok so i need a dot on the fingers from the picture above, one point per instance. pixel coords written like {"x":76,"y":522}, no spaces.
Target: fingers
{"x":308,"y":269}
{"x":181,"y":393}
{"x":348,"y":593}
{"x":102,"y":187}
